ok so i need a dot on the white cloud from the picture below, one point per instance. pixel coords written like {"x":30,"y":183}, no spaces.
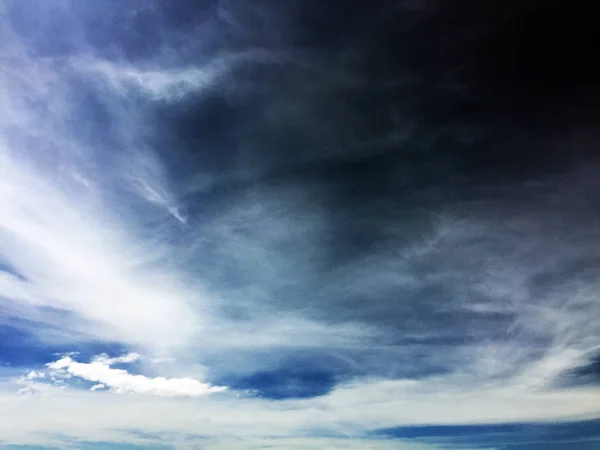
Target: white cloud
{"x":33,"y":375}
{"x":122,"y":382}
{"x":77,"y":259}
{"x":125,"y":359}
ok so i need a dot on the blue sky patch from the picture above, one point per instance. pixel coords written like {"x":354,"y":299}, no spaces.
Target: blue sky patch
{"x":286,"y":383}
{"x":22,"y":348}
{"x":534,"y":436}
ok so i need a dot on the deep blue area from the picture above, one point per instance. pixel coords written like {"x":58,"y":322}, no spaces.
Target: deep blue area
{"x":583,"y":375}
{"x":580,"y":435}
{"x":285,"y":383}
{"x":587,"y":374}
{"x":285,"y":374}
{"x":20,"y":347}
{"x":5,"y":267}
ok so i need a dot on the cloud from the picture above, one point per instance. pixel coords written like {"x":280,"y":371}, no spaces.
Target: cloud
{"x":33,"y":375}
{"x":75,"y":259}
{"x":122,"y":382}
{"x":125,"y":359}
{"x":157,"y":84}
{"x":86,"y":214}
{"x":352,"y":410}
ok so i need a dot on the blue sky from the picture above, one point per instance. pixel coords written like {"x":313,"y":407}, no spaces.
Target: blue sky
{"x":235,"y":226}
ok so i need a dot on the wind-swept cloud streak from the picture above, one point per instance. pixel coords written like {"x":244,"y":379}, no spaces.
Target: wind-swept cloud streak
{"x":57,"y":230}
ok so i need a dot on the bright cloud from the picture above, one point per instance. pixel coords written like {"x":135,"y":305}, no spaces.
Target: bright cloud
{"x":125,"y":359}
{"x":122,"y":382}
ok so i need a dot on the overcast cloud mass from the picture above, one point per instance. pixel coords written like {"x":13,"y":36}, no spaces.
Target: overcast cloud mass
{"x":298,"y":224}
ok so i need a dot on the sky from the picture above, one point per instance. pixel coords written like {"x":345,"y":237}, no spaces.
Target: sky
{"x":288,"y":224}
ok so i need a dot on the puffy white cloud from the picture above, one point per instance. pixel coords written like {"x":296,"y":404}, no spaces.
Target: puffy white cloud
{"x":33,"y":375}
{"x":122,"y":382}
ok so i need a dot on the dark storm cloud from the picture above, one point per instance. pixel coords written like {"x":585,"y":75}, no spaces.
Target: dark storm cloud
{"x":380,"y":174}
{"x":381,"y":119}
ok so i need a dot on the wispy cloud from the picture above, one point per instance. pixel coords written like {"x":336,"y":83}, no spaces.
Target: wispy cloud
{"x":76,"y":256}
